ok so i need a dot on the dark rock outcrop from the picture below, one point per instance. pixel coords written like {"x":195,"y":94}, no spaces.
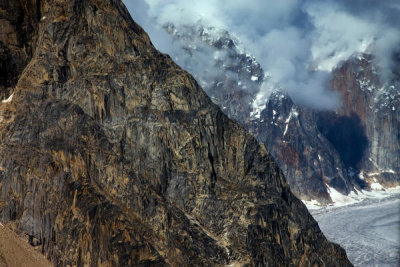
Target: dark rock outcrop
{"x":18,"y":21}
{"x":112,"y":155}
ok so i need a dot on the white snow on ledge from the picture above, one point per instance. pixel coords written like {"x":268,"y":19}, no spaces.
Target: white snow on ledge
{"x":8,"y":100}
{"x":254,"y":78}
{"x":312,"y":204}
{"x":340,"y":200}
{"x":377,"y":186}
{"x":293,"y":112}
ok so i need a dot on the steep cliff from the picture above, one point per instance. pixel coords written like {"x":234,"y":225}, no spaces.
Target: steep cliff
{"x":230,"y":76}
{"x":112,"y":155}
{"x":372,"y":109}
{"x":17,"y":40}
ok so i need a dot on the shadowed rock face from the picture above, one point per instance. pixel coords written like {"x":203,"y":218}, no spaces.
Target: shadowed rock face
{"x":348,"y":149}
{"x":17,"y":38}
{"x":347,"y":135}
{"x":112,"y":155}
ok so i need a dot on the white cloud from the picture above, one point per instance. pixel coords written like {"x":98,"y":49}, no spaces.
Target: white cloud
{"x":296,"y":42}
{"x":387,"y":43}
{"x":337,"y":35}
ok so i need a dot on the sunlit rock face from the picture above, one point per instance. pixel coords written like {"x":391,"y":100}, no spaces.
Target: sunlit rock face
{"x":112,"y":155}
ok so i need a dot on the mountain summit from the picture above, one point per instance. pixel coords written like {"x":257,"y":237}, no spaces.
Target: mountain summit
{"x":112,"y":155}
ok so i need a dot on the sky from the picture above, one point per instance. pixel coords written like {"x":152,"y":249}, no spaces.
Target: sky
{"x":297,"y":43}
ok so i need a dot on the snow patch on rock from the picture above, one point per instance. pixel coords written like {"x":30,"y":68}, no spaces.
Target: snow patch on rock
{"x":340,"y":199}
{"x":8,"y":100}
{"x":254,"y":78}
{"x":312,"y":204}
{"x":377,"y":186}
{"x":293,"y":113}
{"x":356,"y":196}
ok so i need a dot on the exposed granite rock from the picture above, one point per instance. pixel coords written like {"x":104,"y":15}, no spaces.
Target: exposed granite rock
{"x":112,"y":155}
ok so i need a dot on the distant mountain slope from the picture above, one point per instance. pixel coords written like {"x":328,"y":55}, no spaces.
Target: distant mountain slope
{"x":373,"y":107}
{"x":316,"y":150}
{"x":112,"y":155}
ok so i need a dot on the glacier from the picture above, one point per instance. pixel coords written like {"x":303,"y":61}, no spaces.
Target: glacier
{"x":369,"y":231}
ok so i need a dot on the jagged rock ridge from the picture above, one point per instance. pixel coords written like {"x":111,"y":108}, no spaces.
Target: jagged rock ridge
{"x":230,"y":76}
{"x":112,"y":155}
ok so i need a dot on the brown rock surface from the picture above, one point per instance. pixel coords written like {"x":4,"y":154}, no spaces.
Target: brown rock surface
{"x":18,"y":25}
{"x":111,"y":155}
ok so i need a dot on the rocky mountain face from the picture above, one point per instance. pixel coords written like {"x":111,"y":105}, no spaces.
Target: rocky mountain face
{"x":112,"y":155}
{"x":369,"y":119}
{"x":354,"y":147}
{"x":316,"y":150}
{"x":307,"y":158}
